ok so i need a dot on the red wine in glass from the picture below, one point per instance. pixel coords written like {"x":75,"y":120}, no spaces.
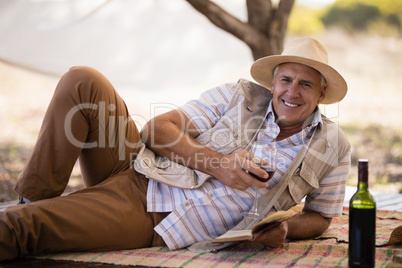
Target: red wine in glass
{"x":270,"y":174}
{"x":268,"y":154}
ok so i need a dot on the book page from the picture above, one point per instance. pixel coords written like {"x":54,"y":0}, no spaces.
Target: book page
{"x":234,"y":235}
{"x":266,"y":223}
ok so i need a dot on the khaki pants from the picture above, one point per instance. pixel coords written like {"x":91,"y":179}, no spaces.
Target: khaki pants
{"x":86,"y":120}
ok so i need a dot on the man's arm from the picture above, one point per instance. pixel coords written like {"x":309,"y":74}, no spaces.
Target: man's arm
{"x":172,"y":135}
{"x":302,"y":226}
{"x":306,"y":225}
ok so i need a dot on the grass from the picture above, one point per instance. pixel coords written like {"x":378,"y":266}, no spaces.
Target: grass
{"x":12,"y":162}
{"x":382,"y":146}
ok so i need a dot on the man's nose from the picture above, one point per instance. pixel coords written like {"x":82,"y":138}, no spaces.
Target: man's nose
{"x":293,"y":90}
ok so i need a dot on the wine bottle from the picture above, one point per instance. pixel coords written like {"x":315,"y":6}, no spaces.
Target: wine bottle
{"x":362,"y":222}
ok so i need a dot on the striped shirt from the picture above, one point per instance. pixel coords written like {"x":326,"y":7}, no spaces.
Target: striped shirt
{"x":209,"y":211}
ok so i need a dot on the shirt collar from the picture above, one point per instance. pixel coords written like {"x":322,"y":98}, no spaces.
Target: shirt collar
{"x":315,"y":120}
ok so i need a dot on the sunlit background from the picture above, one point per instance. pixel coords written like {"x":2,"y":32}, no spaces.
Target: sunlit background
{"x":164,"y":52}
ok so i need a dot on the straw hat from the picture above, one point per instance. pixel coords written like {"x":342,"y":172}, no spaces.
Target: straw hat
{"x":309,"y":52}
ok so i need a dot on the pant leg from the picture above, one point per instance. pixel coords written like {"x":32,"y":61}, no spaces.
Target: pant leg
{"x":108,"y":216}
{"x":86,"y":118}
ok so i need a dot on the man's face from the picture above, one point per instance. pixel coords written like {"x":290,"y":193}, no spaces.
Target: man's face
{"x":296,"y":92}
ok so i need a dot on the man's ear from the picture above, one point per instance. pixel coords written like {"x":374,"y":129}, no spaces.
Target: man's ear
{"x":272,"y":87}
{"x":322,"y":94}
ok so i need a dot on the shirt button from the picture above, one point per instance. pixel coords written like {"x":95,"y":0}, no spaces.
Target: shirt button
{"x":187,"y":204}
{"x":211,"y":195}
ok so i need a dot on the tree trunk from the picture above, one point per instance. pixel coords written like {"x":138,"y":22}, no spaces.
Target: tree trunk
{"x":264,"y":33}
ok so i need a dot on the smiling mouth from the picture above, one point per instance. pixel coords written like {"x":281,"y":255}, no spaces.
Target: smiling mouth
{"x":291,"y":104}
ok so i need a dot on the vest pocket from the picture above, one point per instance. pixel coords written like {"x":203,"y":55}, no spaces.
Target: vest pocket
{"x":223,"y":137}
{"x":165,"y":166}
{"x":162,"y":163}
{"x":303,"y":183}
{"x":172,"y":173}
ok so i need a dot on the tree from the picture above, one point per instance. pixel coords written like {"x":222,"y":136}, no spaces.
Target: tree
{"x":265,"y":30}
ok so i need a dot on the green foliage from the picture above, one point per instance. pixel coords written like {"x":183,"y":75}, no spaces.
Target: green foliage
{"x":352,"y":17}
{"x":305,"y":21}
{"x":384,"y":17}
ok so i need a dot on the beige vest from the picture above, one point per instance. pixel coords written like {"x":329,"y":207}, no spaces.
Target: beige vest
{"x":234,"y":132}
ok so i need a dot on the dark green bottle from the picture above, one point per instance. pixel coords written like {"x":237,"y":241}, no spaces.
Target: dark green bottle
{"x":362,"y":222}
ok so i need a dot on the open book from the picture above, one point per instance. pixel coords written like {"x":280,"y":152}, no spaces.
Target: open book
{"x":268,"y":222}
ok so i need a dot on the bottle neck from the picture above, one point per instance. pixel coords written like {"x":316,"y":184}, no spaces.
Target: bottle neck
{"x":363,"y":175}
{"x":362,"y":185}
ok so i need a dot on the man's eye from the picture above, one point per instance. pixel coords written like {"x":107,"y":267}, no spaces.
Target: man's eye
{"x":306,"y":85}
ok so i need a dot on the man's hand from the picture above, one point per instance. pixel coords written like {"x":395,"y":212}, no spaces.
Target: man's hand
{"x":273,"y":237}
{"x":236,"y":171}
{"x":302,"y":226}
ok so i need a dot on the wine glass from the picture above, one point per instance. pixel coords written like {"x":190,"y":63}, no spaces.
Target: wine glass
{"x":264,"y":154}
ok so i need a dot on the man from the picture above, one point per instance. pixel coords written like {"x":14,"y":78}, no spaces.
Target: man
{"x":193,"y":179}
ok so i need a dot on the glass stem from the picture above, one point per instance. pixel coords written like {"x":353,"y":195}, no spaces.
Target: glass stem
{"x":254,"y":209}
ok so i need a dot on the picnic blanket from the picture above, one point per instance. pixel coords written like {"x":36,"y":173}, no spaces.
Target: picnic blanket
{"x":328,"y":250}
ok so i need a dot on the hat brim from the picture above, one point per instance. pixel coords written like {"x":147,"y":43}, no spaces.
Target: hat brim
{"x":261,"y":71}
